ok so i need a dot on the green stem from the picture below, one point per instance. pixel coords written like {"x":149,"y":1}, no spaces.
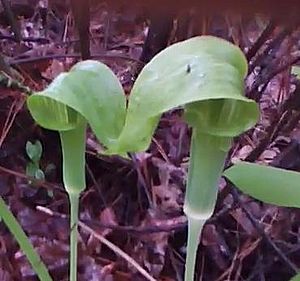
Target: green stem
{"x":17,"y":231}
{"x":73,"y":148}
{"x":74,"y":201}
{"x":207,"y":157}
{"x":195,"y":227}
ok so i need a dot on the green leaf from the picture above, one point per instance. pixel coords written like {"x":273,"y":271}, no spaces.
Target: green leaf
{"x":206,"y":74}
{"x":268,"y":184}
{"x":39,"y":174}
{"x":296,"y":278}
{"x":20,"y":236}
{"x":34,"y":151}
{"x":296,"y":71}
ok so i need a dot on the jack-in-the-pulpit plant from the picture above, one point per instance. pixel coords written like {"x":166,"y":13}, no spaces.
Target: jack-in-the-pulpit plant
{"x":203,"y":74}
{"x":206,"y":76}
{"x":89,"y":93}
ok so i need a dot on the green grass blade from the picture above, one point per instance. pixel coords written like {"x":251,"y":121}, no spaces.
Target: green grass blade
{"x":268,"y":184}
{"x":18,"y":233}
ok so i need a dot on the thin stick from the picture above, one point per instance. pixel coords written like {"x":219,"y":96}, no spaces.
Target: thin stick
{"x":44,"y":184}
{"x":261,"y":40}
{"x":261,"y":231}
{"x":103,"y":240}
{"x":117,"y":250}
{"x":169,"y":225}
{"x":21,"y":60}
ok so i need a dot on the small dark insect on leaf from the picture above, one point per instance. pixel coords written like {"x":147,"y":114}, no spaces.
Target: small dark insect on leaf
{"x":188,"y":69}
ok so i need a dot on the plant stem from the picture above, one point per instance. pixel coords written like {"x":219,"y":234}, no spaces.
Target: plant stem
{"x":195,"y":227}
{"x":74,"y":202}
{"x":17,"y":231}
{"x":207,"y":157}
{"x":73,"y":148}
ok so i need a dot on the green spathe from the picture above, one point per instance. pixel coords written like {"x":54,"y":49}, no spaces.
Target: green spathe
{"x":89,"y":91}
{"x":203,"y":72}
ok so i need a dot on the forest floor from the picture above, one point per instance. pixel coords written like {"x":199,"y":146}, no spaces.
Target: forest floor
{"x":137,"y":205}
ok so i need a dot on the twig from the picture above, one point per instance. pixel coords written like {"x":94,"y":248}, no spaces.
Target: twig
{"x":112,"y":246}
{"x":41,"y":40}
{"x":281,"y":119}
{"x":271,"y":132}
{"x":261,"y":40}
{"x":12,"y":113}
{"x":10,"y":83}
{"x":271,"y":48}
{"x":117,"y":250}
{"x":16,"y":61}
{"x":141,"y":179}
{"x":169,"y":225}
{"x":261,"y":231}
{"x":266,"y":77}
{"x":41,"y":183}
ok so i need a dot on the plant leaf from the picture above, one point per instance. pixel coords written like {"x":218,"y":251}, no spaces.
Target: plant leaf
{"x":268,"y":184}
{"x":296,"y":71}
{"x":89,"y":91}
{"x":203,"y":72}
{"x":34,"y":151}
{"x":39,"y":174}
{"x":24,"y":242}
{"x":296,"y":277}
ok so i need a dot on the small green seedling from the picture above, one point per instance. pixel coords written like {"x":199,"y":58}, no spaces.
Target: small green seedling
{"x":206,"y":76}
{"x":34,"y":152}
{"x":91,"y":94}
